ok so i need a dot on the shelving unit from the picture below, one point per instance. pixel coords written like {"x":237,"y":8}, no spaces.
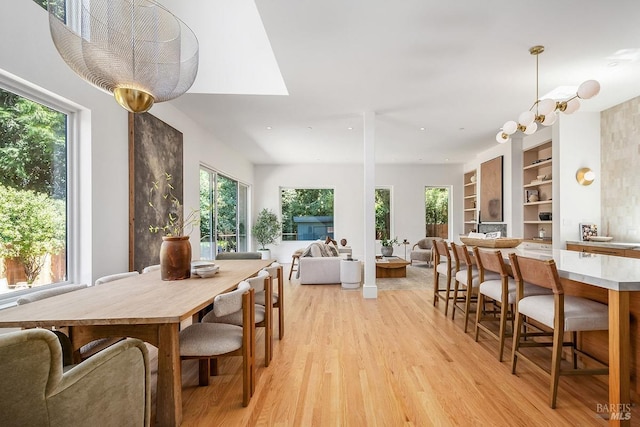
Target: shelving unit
{"x":537,"y":191}
{"x":470,"y":202}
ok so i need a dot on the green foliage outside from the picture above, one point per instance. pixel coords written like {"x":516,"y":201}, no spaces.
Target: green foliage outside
{"x":436,"y":202}
{"x":266,"y":229}
{"x":33,"y":182}
{"x":32,"y":225}
{"x":227,"y":204}
{"x":303,"y":202}
{"x":383,"y":212}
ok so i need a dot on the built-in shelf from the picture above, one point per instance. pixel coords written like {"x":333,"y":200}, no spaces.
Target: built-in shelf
{"x":538,"y":162}
{"x":470,"y":202}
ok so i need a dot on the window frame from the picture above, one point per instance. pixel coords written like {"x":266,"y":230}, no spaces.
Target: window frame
{"x":30,"y":91}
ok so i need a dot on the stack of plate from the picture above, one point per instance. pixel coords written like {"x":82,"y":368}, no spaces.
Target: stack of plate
{"x":204,"y":268}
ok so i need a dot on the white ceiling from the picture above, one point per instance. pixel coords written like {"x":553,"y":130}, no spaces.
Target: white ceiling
{"x":457,"y":69}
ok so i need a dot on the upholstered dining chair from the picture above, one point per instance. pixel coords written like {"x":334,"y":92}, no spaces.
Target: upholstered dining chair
{"x":114,"y":385}
{"x":65,"y":342}
{"x":114,"y":277}
{"x":150,"y":268}
{"x":559,"y":312}
{"x":209,"y":341}
{"x":502,"y":292}
{"x":443,"y":264}
{"x":263,"y":313}
{"x":423,"y":250}
{"x":239,"y":255}
{"x":467,"y":281}
{"x":276,"y":272}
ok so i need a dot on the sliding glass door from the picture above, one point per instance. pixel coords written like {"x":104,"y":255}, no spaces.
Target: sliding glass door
{"x":223,"y":214}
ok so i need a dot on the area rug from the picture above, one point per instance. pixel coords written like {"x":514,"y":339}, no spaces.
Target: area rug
{"x":419,"y":276}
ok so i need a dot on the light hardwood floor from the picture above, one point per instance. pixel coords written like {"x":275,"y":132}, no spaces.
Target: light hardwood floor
{"x":394,"y":361}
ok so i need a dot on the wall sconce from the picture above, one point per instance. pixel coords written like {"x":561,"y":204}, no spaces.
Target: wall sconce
{"x":585,"y":176}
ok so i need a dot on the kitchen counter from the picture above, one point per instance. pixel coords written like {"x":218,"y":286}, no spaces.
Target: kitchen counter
{"x":612,"y":244}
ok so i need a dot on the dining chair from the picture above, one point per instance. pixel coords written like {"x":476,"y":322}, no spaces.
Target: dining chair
{"x":443,"y":264}
{"x":263,"y":313}
{"x":150,"y":268}
{"x":207,"y":341}
{"x":502,"y":292}
{"x":114,"y":277}
{"x":558,"y":312}
{"x":275,"y":271}
{"x":65,"y":342}
{"x":468,"y":277}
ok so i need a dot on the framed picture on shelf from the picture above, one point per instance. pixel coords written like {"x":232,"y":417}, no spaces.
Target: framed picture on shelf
{"x":587,"y":231}
{"x":531,"y":196}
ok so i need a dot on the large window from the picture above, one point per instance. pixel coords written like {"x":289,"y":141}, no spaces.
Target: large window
{"x":33,"y":193}
{"x":223,"y":214}
{"x":307,"y":213}
{"x":383,"y":213}
{"x":436,"y":203}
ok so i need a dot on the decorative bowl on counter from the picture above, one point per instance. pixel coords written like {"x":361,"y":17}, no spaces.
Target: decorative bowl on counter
{"x":544,"y":216}
{"x":600,"y":238}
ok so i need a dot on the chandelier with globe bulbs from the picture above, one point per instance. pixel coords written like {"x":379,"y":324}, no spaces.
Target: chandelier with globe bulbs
{"x":545,"y":111}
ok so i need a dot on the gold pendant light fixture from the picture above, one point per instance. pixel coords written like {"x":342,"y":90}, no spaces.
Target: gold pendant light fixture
{"x":135,"y":49}
{"x":545,"y":111}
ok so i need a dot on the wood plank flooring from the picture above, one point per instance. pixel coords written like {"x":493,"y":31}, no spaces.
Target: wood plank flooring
{"x":394,"y":361}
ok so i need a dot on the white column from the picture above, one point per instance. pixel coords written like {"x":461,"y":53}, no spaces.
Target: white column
{"x":370,"y":289}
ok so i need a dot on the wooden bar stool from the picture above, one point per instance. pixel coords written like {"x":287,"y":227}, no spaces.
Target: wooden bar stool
{"x":558,"y":312}
{"x":295,"y":260}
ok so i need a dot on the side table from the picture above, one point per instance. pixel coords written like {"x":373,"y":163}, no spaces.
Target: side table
{"x":350,"y":273}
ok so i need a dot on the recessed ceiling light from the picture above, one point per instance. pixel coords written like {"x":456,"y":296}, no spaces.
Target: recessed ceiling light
{"x":349,"y":128}
{"x":423,"y":128}
{"x":268,"y":127}
{"x":460,"y":128}
{"x":625,"y":55}
{"x":309,"y":127}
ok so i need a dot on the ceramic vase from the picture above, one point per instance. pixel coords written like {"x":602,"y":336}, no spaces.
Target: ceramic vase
{"x":175,"y":258}
{"x":387,"y":250}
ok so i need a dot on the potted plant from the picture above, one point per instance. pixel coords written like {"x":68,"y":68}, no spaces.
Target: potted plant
{"x":387,"y":245}
{"x":175,"y":251}
{"x":266,"y":230}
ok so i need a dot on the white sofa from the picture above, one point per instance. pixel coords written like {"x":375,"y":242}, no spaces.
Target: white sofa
{"x":319,"y":270}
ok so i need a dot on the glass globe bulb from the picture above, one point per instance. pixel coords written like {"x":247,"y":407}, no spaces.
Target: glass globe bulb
{"x":588,"y":89}
{"x":550,"y":118}
{"x":510,"y":127}
{"x":546,"y":106}
{"x":526,"y":118}
{"x":572,"y":106}
{"x":531,"y":129}
{"x":502,"y":137}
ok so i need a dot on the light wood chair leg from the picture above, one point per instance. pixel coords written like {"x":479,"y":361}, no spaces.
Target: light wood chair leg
{"x":517,"y":330}
{"x":436,"y":286}
{"x":479,"y":314}
{"x":280,"y":303}
{"x":555,"y":365}
{"x":455,"y":301}
{"x":504,"y":312}
{"x":467,"y":306}
{"x":447,"y":294}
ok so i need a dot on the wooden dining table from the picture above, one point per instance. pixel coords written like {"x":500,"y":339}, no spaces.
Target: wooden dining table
{"x":143,"y":307}
{"x":619,"y":277}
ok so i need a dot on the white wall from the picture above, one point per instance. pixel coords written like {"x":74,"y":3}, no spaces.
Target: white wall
{"x":407,"y":183}
{"x":29,"y":53}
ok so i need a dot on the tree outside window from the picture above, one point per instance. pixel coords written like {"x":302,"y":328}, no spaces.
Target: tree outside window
{"x":33,"y":192}
{"x":383,"y":213}
{"x":307,"y":213}
{"x":436,"y":212}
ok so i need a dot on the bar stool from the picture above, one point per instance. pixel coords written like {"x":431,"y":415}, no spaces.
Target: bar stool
{"x":448,"y":268}
{"x":501,"y":292}
{"x":559,"y":312}
{"x":295,"y":260}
